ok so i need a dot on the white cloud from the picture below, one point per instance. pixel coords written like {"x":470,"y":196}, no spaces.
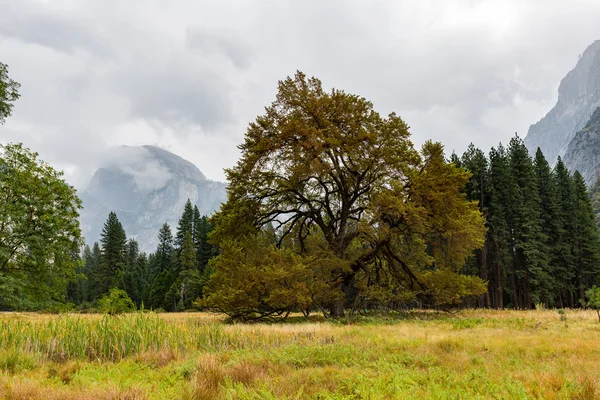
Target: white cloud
{"x":189,"y":76}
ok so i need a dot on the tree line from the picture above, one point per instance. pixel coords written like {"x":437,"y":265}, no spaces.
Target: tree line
{"x":330,"y":208}
{"x":169,"y":279}
{"x":542,"y":244}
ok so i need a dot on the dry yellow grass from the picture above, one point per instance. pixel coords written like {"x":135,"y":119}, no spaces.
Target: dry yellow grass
{"x":470,"y":354}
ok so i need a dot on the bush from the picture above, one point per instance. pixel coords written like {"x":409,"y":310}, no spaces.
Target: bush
{"x":116,"y":302}
{"x":593,"y":295}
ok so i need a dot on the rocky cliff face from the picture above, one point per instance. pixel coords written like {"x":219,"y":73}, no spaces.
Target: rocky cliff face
{"x":583,"y":152}
{"x":146,"y":186}
{"x":578,"y":98}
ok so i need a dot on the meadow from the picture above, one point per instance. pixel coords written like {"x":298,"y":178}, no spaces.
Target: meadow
{"x":477,"y":354}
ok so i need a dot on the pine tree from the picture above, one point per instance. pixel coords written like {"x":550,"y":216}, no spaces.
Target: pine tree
{"x":134,"y":278}
{"x":587,"y":241}
{"x":595,"y":198}
{"x":113,"y":240}
{"x":477,"y":189}
{"x":550,"y":224}
{"x":564,"y":243}
{"x":529,"y":255}
{"x":197,"y":233}
{"x":204,"y":249}
{"x":498,"y":236}
{"x":189,"y":275}
{"x":186,"y":224}
{"x":163,"y":268}
{"x":164,"y":251}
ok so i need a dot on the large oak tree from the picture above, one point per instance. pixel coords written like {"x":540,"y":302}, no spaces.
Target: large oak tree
{"x":346,"y":189}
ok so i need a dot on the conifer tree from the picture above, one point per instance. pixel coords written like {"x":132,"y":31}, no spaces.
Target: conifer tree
{"x":595,"y":198}
{"x":186,"y":224}
{"x":163,"y":268}
{"x":189,"y":275}
{"x":587,"y":242}
{"x":498,"y":235}
{"x":564,"y":243}
{"x":113,"y":241}
{"x":529,"y":263}
{"x":550,"y":224}
{"x":477,"y":189}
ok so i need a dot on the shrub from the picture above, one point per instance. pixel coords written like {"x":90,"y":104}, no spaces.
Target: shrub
{"x":116,"y":302}
{"x":593,"y":295}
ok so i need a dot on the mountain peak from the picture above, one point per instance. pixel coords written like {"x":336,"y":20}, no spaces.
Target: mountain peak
{"x":146,"y":186}
{"x":175,"y":164}
{"x":578,"y":98}
{"x":583,"y":152}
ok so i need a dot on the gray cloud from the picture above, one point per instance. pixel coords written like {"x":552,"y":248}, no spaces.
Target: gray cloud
{"x":31,"y":22}
{"x":217,"y":43}
{"x":189,"y":76}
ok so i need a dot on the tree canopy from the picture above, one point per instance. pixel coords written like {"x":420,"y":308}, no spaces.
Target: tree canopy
{"x":344,"y":187}
{"x":40,"y":237}
{"x":9,"y":93}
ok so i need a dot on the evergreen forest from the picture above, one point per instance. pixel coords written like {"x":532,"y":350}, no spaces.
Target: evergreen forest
{"x":330,"y":209}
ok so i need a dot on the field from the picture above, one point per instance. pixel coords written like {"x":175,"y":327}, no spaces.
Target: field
{"x":471,"y":354}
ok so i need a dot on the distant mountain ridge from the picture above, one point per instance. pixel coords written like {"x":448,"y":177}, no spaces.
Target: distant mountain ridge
{"x":146,"y":186}
{"x":578,"y":98}
{"x":583,"y":152}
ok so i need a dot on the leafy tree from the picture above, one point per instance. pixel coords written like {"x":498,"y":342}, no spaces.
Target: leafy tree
{"x":325,"y":166}
{"x":114,"y":252}
{"x":9,"y":93}
{"x":116,"y":302}
{"x":39,"y":229}
{"x":593,"y":295}
{"x":268,"y":281}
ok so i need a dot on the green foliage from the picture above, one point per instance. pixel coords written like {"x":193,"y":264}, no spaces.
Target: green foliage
{"x":593,"y":295}
{"x":114,"y":252}
{"x":542,"y":245}
{"x":595,"y":200}
{"x":186,"y":223}
{"x":40,"y":235}
{"x":254,"y":280}
{"x":116,"y":302}
{"x":343,"y":186}
{"x":9,"y":93}
{"x":449,"y":288}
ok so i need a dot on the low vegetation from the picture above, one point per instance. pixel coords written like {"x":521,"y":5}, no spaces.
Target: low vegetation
{"x":470,"y":354}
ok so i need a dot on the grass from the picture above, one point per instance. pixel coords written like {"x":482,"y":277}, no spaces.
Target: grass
{"x":476,"y":354}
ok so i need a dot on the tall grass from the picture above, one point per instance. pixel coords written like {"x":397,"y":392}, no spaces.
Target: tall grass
{"x":113,"y":338}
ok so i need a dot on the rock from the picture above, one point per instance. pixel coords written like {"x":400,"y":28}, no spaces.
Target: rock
{"x":578,"y":98}
{"x":583,"y":152}
{"x":146,"y":186}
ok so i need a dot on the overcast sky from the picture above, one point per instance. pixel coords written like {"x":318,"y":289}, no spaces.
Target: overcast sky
{"x":190,"y":75}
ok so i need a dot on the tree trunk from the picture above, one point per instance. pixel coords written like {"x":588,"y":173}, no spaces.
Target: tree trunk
{"x":349,"y":292}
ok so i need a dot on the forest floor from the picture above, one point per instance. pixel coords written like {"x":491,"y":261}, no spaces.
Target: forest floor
{"x":470,"y":354}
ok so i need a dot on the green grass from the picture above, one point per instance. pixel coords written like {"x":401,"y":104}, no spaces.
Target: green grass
{"x":472,"y":354}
